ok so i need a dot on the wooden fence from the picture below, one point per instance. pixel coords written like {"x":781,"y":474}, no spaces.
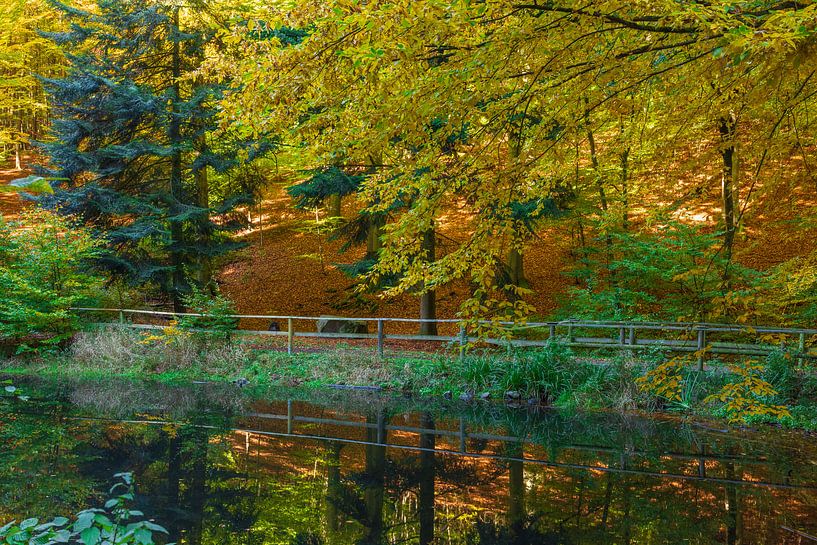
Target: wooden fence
{"x":697,"y":338}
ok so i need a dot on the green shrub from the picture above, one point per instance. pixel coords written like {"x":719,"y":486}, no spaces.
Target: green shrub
{"x":216,"y":323}
{"x":43,"y":273}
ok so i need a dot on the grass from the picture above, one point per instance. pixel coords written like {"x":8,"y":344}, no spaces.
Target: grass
{"x":552,"y":375}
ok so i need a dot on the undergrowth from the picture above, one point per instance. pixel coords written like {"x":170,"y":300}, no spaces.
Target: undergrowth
{"x":552,"y":375}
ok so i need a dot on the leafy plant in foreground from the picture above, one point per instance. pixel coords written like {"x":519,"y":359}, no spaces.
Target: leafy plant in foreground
{"x":115,"y":524}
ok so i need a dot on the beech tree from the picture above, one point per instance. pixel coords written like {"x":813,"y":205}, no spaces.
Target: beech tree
{"x":731,"y":80}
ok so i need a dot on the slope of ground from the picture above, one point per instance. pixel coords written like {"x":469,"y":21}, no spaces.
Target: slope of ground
{"x":10,"y":203}
{"x":287,"y":270}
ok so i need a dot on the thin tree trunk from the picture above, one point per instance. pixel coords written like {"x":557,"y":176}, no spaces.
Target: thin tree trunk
{"x":603,"y":203}
{"x":334,"y":206}
{"x":176,"y":188}
{"x":727,"y":127}
{"x":203,"y":191}
{"x":625,"y":189}
{"x":373,"y":243}
{"x":428,"y":300}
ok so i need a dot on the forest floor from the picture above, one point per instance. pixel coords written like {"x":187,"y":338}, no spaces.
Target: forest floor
{"x":289,"y":269}
{"x":11,"y":204}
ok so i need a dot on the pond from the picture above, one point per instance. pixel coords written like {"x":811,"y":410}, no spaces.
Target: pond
{"x":217,"y":464}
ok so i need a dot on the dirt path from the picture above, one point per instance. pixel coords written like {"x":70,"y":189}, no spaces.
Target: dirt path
{"x":11,"y":204}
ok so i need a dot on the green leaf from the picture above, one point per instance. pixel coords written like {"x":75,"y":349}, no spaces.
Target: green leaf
{"x":143,"y":536}
{"x":90,"y":536}
{"x":27,"y":523}
{"x":155,"y":527}
{"x":84,"y":521}
{"x":29,"y":184}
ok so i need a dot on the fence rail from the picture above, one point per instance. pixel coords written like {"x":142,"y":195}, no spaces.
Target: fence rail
{"x":698,"y":338}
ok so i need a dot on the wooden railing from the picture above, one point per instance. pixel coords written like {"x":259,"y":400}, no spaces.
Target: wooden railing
{"x":698,"y":338}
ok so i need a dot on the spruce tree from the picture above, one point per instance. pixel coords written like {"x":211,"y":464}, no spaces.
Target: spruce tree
{"x":130,"y":140}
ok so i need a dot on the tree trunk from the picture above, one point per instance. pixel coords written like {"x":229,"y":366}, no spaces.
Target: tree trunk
{"x":203,"y":193}
{"x":373,"y":244}
{"x":428,"y":300}
{"x":728,"y":125}
{"x":516,"y":269}
{"x":17,"y":164}
{"x":625,"y":189}
{"x":334,"y":206}
{"x":176,"y":188}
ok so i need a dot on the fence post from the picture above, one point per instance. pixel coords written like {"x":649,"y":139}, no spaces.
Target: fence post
{"x":290,"y":335}
{"x":701,"y":347}
{"x":463,"y":342}
{"x":801,"y":349}
{"x":380,"y":337}
{"x":632,"y":335}
{"x":552,"y":331}
{"x":121,"y":317}
{"x":570,"y":337}
{"x":621,"y":337}
{"x":289,"y":416}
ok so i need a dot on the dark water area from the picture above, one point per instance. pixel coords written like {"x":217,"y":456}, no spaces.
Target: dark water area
{"x":216,"y":464}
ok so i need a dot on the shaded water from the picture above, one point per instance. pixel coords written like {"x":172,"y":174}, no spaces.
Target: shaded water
{"x":219,"y":465}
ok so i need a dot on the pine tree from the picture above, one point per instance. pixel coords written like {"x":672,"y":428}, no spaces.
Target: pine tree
{"x":130,"y":139}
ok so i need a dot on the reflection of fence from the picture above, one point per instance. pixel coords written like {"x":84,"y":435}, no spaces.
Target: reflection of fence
{"x":684,"y":337}
{"x":621,"y":458}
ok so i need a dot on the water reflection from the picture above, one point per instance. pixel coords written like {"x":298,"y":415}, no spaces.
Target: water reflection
{"x":220,"y":467}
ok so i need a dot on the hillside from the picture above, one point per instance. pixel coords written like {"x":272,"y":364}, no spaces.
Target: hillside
{"x":286,"y":269}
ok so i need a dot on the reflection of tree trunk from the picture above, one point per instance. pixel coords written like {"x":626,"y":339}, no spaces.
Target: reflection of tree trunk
{"x":734,"y":524}
{"x":373,"y":492}
{"x":626,"y":519}
{"x":174,"y":471}
{"x":727,"y":127}
{"x":516,"y":488}
{"x":428,"y":300}
{"x":333,"y":486}
{"x":427,"y":473}
{"x":198,"y":485}
{"x":608,"y":494}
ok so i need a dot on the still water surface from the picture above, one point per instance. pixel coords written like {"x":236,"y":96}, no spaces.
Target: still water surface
{"x":219,"y":465}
